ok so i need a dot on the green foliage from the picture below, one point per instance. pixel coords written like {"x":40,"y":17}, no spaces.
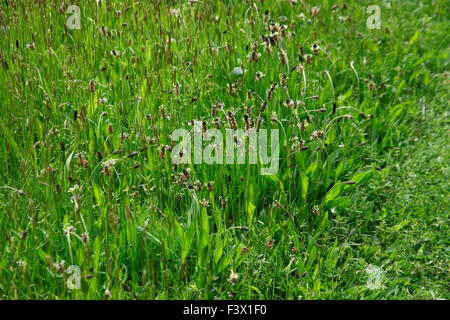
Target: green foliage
{"x":85,"y":155}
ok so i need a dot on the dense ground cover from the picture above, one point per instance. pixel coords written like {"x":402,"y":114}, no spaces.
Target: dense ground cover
{"x":357,"y":209}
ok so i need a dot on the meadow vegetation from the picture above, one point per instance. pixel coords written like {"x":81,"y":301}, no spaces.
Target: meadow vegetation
{"x":358,"y":208}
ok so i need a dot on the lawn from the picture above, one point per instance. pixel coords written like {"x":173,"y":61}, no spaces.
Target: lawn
{"x":100,"y":198}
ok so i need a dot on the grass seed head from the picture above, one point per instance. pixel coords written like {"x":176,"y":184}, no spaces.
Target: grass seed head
{"x":234,"y":277}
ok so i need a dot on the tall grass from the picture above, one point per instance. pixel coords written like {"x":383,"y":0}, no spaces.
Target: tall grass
{"x":87,"y":177}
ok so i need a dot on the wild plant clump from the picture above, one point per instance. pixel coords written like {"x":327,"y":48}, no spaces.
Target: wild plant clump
{"x":91,"y":96}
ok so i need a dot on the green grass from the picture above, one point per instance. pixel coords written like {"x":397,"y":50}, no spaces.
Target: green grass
{"x":85,"y":114}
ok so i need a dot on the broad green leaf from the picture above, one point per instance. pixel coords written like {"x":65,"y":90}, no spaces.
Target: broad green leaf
{"x":204,"y":229}
{"x":250,"y":210}
{"x":361,"y":177}
{"x":333,"y":193}
{"x":304,"y":180}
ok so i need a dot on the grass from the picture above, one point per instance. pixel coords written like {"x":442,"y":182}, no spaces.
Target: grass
{"x":88,"y":181}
